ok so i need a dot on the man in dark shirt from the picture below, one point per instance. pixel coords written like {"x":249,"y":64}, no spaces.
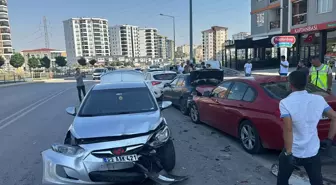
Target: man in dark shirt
{"x":80,"y":83}
{"x":302,"y":67}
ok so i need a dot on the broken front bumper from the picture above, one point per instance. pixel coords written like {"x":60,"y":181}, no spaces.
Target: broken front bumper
{"x":62,"y":169}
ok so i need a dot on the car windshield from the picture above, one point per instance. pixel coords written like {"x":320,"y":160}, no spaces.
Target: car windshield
{"x":117,"y":101}
{"x":281,"y":90}
{"x":98,"y":70}
{"x":167,"y":76}
{"x":231,"y":72}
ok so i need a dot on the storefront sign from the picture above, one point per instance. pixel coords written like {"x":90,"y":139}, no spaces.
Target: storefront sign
{"x":316,"y":27}
{"x":283,"y":41}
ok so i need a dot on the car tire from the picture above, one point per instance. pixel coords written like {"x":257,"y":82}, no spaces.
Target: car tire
{"x":194,"y":114}
{"x":167,"y":156}
{"x":183,"y":106}
{"x":249,"y":138}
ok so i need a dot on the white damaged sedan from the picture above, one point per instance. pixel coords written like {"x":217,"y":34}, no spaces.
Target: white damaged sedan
{"x":118,"y":136}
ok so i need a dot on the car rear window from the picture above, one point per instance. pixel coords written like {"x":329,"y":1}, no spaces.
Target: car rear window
{"x":281,"y":90}
{"x":168,"y":76}
{"x":117,"y":101}
{"x":98,"y":70}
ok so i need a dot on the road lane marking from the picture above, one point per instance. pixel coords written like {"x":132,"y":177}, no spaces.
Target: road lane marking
{"x":29,"y":108}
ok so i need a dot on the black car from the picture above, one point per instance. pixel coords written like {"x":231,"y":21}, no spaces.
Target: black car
{"x":181,"y":90}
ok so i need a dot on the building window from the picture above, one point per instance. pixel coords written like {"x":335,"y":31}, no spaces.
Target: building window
{"x":324,"y":6}
{"x":260,"y":19}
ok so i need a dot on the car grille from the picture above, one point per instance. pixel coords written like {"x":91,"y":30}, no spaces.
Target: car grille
{"x":106,"y":153}
{"x":122,"y":176}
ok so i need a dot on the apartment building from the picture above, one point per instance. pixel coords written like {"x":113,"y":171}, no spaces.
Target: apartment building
{"x":198,"y":53}
{"x":86,"y":37}
{"x":148,"y":42}
{"x":313,"y":22}
{"x":170,"y":49}
{"x":124,"y":40}
{"x":162,"y":46}
{"x":240,"y":36}
{"x":213,"y":42}
{"x":40,"y":53}
{"x":6,"y":49}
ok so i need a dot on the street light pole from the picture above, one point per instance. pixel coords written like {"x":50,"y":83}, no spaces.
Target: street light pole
{"x":173,"y":33}
{"x":191,"y":31}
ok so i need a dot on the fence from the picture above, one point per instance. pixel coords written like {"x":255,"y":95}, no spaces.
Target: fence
{"x":11,"y":78}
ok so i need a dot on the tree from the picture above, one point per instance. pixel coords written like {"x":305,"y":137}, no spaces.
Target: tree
{"x":60,"y":61}
{"x":82,"y":61}
{"x":17,"y":60}
{"x":118,"y":63}
{"x":45,"y":62}
{"x":33,"y":63}
{"x":2,"y":61}
{"x":92,"y":62}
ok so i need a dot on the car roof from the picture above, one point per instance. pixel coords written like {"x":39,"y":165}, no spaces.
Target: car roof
{"x":119,"y":85}
{"x":161,"y":72}
{"x":122,"y":76}
{"x":259,"y":79}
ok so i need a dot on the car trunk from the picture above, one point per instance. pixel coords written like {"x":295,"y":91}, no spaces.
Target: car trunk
{"x":324,"y":123}
{"x":205,"y":80}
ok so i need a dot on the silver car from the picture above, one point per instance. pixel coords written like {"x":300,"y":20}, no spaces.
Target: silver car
{"x":118,"y":136}
{"x":97,"y":73}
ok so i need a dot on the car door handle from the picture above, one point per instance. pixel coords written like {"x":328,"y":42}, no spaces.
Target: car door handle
{"x":240,"y":105}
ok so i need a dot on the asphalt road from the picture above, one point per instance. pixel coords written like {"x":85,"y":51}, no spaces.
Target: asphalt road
{"x":32,"y":117}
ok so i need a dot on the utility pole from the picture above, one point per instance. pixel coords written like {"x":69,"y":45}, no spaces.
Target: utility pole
{"x":46,"y":33}
{"x":191,"y":31}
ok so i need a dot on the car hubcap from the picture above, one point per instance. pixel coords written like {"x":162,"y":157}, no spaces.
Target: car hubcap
{"x":193,"y":113}
{"x":247,"y":136}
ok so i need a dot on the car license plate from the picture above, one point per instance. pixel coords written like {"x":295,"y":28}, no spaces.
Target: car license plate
{"x":125,"y":158}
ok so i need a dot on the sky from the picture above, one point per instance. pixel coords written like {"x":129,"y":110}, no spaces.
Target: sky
{"x":26,"y":17}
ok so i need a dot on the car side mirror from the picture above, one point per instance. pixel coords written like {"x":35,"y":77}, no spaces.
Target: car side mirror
{"x":207,"y":94}
{"x":165,"y":104}
{"x":71,"y":111}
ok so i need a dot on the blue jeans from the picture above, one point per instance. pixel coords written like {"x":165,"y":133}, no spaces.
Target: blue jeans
{"x":247,"y":74}
{"x":283,"y":74}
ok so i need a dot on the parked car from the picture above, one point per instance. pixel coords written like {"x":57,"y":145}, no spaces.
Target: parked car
{"x":157,"y":79}
{"x":180,"y":90}
{"x":122,"y":75}
{"x":97,"y":73}
{"x":118,"y":135}
{"x":248,"y":108}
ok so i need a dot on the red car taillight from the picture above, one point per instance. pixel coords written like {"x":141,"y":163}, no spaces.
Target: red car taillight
{"x":155,"y":83}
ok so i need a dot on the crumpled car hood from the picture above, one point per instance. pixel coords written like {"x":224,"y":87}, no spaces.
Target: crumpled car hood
{"x":115,"y":125}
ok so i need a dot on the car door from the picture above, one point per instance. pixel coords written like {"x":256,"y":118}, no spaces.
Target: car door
{"x":209,"y":106}
{"x":177,"y":90}
{"x":237,"y":101}
{"x":168,"y":90}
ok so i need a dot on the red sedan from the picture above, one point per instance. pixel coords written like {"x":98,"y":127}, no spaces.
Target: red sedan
{"x":248,"y":108}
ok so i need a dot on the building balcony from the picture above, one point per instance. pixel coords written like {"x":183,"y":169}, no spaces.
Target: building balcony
{"x":274,"y":25}
{"x":274,"y":1}
{"x":299,"y":19}
{"x":3,"y":9}
{"x":3,"y":2}
{"x":4,"y":16}
{"x":5,"y":30}
{"x":8,"y":51}
{"x":98,"y":43}
{"x":107,"y":51}
{"x":6,"y":37}
{"x":96,"y":30}
{"x":4,"y":23}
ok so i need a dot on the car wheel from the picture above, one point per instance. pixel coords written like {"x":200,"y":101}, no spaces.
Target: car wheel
{"x":249,"y":138}
{"x":194,"y":114}
{"x":183,"y":107}
{"x":166,"y":154}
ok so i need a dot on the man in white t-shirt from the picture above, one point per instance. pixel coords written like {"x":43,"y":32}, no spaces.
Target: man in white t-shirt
{"x":284,"y":66}
{"x":301,"y":113}
{"x":248,"y":68}
{"x":180,"y":68}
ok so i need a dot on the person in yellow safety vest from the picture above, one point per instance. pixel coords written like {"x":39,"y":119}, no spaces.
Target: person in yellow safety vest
{"x":320,"y":74}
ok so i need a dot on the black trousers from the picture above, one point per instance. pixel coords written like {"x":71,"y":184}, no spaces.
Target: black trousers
{"x":312,"y":166}
{"x":81,"y":89}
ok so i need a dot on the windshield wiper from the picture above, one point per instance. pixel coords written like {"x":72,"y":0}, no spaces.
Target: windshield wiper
{"x":86,"y":115}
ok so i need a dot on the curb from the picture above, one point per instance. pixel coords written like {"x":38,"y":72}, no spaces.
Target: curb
{"x":19,"y":83}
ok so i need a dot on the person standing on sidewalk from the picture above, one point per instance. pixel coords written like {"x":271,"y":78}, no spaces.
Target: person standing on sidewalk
{"x":320,"y":74}
{"x":248,"y":68}
{"x":80,"y":84}
{"x":302,"y":67}
{"x":284,"y":66}
{"x":301,"y":113}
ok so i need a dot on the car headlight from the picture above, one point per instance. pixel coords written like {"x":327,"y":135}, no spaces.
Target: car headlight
{"x":67,"y":149}
{"x":160,"y":137}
